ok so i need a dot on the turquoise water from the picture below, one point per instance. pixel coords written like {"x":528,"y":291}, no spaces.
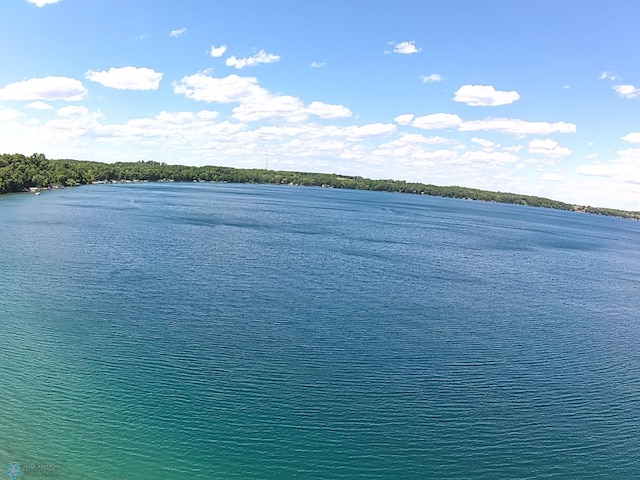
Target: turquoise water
{"x":162,"y":331}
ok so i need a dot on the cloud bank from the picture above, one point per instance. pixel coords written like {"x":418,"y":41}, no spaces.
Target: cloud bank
{"x":254,"y":102}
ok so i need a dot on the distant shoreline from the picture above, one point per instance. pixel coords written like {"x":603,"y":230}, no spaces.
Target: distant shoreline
{"x":19,"y":173}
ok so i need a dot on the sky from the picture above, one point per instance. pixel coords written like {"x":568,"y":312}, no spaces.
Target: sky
{"x":537,"y":97}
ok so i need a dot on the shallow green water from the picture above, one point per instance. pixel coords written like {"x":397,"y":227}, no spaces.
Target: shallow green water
{"x":209,"y":331}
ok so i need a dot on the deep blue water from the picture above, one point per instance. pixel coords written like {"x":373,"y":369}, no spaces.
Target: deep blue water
{"x":203,"y":331}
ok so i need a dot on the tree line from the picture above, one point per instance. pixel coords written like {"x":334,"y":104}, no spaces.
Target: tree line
{"x":19,"y":173}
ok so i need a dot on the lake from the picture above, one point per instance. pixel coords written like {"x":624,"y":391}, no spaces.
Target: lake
{"x":203,"y":331}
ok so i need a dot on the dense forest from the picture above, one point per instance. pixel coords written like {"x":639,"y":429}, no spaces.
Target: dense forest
{"x":19,"y":173}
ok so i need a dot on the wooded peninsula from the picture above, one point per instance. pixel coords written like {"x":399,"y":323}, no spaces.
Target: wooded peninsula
{"x":19,"y":173}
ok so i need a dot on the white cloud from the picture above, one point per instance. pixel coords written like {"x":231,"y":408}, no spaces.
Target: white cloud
{"x":608,"y":76}
{"x":484,"y":143}
{"x":627,"y":91}
{"x":353,"y":153}
{"x":612,"y":185}
{"x":127,"y":78}
{"x":421,"y":139}
{"x":205,"y":88}
{"x":255,"y":102}
{"x":510,"y":126}
{"x":217,"y":52}
{"x":414,"y":139}
{"x":417,"y":151}
{"x":405,"y":119}
{"x":517,"y":127}
{"x":257,"y":59}
{"x":514,"y":148}
{"x":597,"y":170}
{"x":317,"y":64}
{"x":548,"y":147}
{"x":39,"y":105}
{"x":45,"y":88}
{"x":490,"y":157}
{"x":413,"y":150}
{"x":437,"y":121}
{"x":432,"y":78}
{"x":405,"y":48}
{"x":358,"y":132}
{"x":633,"y":137}
{"x":10,"y":114}
{"x":266,"y":105}
{"x":42,"y":3}
{"x":73,"y":111}
{"x":175,"y":127}
{"x":554,"y":177}
{"x":484,"y":96}
{"x":305,"y":146}
{"x":623,"y":170}
{"x":73,"y":121}
{"x":325,"y":110}
{"x":178,"y":32}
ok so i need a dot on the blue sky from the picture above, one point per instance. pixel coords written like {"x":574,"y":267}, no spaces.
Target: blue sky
{"x":530,"y":96}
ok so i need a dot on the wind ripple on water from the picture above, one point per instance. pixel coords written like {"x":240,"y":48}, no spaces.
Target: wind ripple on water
{"x":259,"y":332}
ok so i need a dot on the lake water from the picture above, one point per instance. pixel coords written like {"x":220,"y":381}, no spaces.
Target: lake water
{"x":204,"y":331}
